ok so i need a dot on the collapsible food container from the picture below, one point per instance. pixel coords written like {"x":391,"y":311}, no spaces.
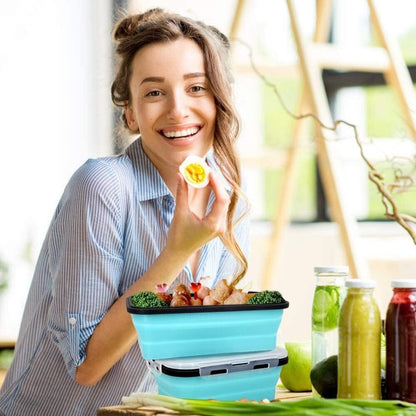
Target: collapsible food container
{"x":187,"y":331}
{"x":224,"y":377}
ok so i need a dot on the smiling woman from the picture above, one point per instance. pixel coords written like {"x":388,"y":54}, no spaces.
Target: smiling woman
{"x":128,"y":223}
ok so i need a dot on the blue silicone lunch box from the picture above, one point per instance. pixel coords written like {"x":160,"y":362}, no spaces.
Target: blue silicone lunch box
{"x":223,"y":377}
{"x":188,"y":331}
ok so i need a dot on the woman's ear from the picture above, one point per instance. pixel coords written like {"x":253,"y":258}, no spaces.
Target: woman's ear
{"x":131,"y":121}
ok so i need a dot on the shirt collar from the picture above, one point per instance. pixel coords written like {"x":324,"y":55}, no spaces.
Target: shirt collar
{"x":151,"y":184}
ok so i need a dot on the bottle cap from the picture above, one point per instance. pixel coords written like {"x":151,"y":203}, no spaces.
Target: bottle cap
{"x":331,"y":269}
{"x":410,"y":283}
{"x":360,"y":283}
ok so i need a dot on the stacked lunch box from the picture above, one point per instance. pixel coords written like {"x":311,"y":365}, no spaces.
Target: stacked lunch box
{"x":224,"y":352}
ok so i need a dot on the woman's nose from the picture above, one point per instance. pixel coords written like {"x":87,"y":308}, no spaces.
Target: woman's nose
{"x":177,"y":106}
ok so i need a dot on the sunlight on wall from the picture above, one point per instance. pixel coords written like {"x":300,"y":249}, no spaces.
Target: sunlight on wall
{"x":52,"y":121}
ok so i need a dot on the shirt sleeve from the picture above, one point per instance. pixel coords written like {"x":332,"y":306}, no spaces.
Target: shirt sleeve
{"x":85,"y":258}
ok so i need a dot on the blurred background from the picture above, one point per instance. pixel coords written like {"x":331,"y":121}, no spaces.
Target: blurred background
{"x":56,"y":68}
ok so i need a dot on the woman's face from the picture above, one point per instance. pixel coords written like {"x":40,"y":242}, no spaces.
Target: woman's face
{"x":171,"y":102}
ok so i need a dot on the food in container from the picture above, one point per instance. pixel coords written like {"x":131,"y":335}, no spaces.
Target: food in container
{"x":223,"y":377}
{"x":182,"y":331}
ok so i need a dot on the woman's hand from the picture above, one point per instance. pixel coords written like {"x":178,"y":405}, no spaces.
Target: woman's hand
{"x":190,"y":231}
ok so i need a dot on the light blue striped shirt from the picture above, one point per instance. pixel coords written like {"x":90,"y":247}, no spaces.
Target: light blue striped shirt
{"x":110,"y":225}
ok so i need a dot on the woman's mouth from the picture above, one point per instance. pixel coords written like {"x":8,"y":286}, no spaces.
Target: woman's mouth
{"x":180,"y":134}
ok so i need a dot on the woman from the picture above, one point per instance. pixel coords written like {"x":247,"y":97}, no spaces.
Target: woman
{"x":118,"y":229}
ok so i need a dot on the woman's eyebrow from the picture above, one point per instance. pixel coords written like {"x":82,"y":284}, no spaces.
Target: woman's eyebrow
{"x":194,"y":75}
{"x":152,"y":79}
{"x":161,"y":79}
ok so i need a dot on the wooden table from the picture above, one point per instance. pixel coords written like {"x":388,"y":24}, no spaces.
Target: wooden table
{"x":152,"y":411}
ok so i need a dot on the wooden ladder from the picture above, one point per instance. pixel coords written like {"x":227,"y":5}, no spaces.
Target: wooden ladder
{"x":314,"y":56}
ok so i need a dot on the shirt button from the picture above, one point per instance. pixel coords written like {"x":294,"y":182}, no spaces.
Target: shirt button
{"x":72,"y":321}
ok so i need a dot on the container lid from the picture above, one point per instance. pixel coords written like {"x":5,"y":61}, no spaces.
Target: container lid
{"x":331,"y":269}
{"x":208,"y":365}
{"x":410,"y":283}
{"x":360,"y":283}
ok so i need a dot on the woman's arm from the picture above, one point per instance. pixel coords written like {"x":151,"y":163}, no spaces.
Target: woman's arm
{"x":115,"y":334}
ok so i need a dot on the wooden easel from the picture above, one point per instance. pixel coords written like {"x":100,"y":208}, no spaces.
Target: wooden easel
{"x":314,"y":56}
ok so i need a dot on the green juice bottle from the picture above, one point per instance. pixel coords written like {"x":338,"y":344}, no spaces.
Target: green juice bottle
{"x":359,"y":343}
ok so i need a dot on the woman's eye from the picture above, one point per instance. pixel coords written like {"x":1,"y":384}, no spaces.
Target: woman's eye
{"x":153,"y":94}
{"x":197,"y":88}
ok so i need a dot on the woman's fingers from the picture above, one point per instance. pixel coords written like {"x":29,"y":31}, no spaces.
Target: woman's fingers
{"x":188,"y":231}
{"x":181,"y":195}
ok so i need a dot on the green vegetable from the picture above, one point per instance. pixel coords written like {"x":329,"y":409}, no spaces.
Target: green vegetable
{"x":147,"y":300}
{"x":311,"y":406}
{"x":324,"y":377}
{"x":326,"y":305}
{"x":267,"y":296}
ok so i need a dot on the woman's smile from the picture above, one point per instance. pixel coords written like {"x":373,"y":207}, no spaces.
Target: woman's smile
{"x":179,"y":132}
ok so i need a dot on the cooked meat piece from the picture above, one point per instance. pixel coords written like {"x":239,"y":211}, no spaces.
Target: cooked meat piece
{"x":208,"y":300}
{"x":202,"y":292}
{"x":221,"y":291}
{"x":196,"y":302}
{"x":236,"y":298}
{"x":181,"y":290}
{"x":179,"y":300}
{"x":164,"y":296}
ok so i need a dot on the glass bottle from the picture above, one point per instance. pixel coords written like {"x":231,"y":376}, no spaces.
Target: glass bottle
{"x":327,"y":300}
{"x":359,"y":374}
{"x":401,"y":342}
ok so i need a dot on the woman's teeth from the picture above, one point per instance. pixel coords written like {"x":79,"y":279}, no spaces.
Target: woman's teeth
{"x":181,"y":133}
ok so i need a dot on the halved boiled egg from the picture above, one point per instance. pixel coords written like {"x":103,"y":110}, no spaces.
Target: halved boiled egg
{"x":195,"y":171}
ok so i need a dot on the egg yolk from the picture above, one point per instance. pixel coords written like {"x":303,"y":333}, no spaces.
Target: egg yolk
{"x":195,"y":173}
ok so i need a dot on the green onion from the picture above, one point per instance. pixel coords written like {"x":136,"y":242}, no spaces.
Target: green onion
{"x":308,"y":407}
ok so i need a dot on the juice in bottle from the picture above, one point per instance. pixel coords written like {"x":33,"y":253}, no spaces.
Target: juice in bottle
{"x":359,"y":343}
{"x":401,"y":342}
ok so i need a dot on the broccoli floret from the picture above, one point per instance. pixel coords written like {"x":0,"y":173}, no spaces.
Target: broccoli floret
{"x":267,"y":296}
{"x":147,"y":300}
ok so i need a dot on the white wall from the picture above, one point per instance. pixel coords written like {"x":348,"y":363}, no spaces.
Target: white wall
{"x":56,"y":112}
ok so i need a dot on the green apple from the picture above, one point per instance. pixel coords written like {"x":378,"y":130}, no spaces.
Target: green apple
{"x":295,"y":375}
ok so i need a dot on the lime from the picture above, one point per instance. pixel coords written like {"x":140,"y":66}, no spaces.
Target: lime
{"x":326,"y":306}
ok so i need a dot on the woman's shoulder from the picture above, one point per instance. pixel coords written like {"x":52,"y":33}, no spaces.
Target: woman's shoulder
{"x":104,"y":175}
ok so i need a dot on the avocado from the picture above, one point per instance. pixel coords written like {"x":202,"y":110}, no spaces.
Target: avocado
{"x":324,"y":377}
